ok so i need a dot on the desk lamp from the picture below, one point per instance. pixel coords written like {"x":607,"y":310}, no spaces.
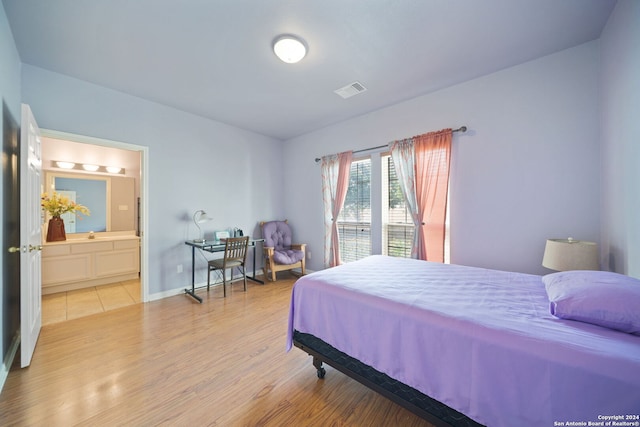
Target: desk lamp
{"x":200,"y":217}
{"x":570,"y":254}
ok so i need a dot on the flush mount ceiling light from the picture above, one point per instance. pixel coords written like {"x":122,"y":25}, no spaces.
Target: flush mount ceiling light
{"x":290,"y":49}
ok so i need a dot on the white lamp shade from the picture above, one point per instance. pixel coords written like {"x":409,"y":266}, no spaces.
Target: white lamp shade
{"x":289,"y":49}
{"x":570,"y":254}
{"x":200,"y":217}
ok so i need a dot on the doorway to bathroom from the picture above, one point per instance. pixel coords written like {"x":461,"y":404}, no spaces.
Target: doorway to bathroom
{"x":80,"y":157}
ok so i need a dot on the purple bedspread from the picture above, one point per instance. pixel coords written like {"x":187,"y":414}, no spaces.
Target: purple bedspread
{"x":481,"y":341}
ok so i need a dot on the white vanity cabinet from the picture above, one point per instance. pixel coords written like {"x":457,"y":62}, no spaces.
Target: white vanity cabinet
{"x":80,"y":263}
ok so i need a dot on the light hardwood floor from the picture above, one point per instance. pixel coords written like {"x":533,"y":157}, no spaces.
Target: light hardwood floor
{"x":84,"y":302}
{"x":175,"y":362}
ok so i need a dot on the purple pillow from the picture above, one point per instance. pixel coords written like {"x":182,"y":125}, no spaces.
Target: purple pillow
{"x":603,"y":298}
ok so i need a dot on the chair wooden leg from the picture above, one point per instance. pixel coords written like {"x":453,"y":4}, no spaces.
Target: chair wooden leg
{"x":224,"y":282}
{"x":244,"y":273}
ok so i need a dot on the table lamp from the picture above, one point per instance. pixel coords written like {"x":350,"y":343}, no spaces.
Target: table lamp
{"x":570,"y":254}
{"x":200,"y":217}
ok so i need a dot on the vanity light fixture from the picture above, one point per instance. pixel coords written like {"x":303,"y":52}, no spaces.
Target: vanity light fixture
{"x":289,"y":48}
{"x":65,"y":165}
{"x":113,"y":169}
{"x":90,"y":168}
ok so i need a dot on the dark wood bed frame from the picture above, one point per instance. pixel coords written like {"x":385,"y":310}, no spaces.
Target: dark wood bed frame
{"x":420,"y":404}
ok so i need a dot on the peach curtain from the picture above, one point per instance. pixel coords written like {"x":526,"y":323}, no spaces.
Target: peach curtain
{"x":422,"y":165}
{"x":335,"y":183}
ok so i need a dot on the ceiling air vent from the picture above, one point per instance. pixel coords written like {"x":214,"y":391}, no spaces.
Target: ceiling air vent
{"x":351,"y":89}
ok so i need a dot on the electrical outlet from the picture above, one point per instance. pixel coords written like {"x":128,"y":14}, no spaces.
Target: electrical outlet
{"x":179,"y":268}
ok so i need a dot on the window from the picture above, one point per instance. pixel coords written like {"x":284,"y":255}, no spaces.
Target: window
{"x":393,"y":228}
{"x":354,"y":221}
{"x":398,"y":228}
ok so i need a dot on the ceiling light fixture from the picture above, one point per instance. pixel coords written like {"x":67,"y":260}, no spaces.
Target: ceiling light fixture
{"x":289,"y":49}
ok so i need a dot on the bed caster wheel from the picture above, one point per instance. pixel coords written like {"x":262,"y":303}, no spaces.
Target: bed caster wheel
{"x":321,"y":373}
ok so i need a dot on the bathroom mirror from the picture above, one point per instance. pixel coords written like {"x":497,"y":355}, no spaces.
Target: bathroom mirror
{"x":110,"y":200}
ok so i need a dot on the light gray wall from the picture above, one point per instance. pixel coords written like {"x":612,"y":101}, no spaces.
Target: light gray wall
{"x":528,"y":169}
{"x":195,"y":163}
{"x":621,"y":138}
{"x":9,"y":95}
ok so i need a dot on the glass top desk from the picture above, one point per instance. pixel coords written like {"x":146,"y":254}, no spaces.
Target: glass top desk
{"x":215,"y":246}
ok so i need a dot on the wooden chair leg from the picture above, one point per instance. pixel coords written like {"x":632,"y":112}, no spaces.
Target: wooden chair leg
{"x":224,"y":282}
{"x":244,"y":273}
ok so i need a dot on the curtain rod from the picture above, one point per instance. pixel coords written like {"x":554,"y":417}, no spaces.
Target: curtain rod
{"x":460,"y":129}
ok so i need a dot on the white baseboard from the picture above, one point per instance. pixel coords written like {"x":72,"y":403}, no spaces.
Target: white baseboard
{"x":197,"y":286}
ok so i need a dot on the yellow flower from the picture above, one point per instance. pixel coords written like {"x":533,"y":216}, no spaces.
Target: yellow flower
{"x":57,"y":204}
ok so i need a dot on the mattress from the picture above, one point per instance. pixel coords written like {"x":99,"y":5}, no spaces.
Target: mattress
{"x":480,"y":341}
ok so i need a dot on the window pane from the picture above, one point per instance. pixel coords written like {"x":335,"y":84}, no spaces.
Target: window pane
{"x":355,"y":241}
{"x":354,"y":222}
{"x":399,"y":240}
{"x":397,"y":222}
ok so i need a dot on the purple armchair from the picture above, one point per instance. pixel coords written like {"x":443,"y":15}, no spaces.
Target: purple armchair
{"x":280,"y":254}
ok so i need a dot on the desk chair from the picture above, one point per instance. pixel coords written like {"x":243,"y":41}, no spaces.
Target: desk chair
{"x":235,"y":256}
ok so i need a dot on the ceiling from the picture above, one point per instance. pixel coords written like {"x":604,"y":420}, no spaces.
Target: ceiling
{"x":213,"y":58}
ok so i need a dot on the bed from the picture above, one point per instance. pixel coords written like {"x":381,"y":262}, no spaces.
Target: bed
{"x":467,"y":346}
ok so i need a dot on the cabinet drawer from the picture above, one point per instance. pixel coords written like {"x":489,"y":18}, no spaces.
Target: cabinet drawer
{"x":126,"y":244}
{"x":55,"y":250}
{"x":91,"y":247}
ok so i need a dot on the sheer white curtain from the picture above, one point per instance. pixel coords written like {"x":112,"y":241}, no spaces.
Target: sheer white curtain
{"x":335,"y":182}
{"x":402,"y":153}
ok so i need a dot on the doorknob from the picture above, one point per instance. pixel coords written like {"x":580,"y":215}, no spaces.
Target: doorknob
{"x":13,"y":249}
{"x":35,"y":248}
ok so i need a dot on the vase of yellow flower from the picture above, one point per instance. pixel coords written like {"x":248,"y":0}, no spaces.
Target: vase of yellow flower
{"x":57,"y":205}
{"x":55,"y":230}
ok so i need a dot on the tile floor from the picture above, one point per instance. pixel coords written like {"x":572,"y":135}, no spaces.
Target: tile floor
{"x":84,"y":302}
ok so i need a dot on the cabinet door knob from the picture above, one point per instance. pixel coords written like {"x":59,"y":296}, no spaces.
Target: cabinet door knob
{"x":13,"y":249}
